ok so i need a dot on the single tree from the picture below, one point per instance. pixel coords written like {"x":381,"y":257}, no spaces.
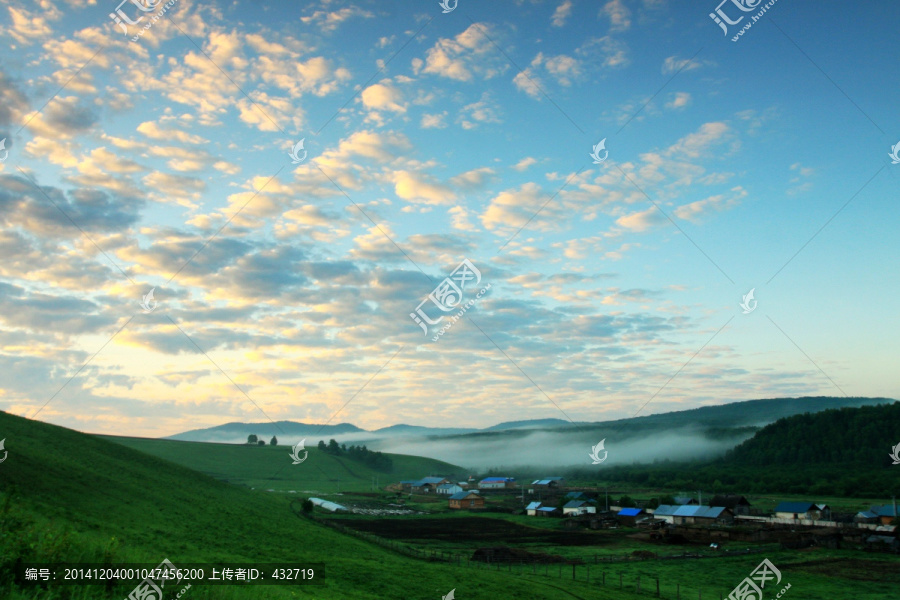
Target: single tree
{"x":670,"y":500}
{"x":273,"y":441}
{"x":322,"y":445}
{"x":307,"y":506}
{"x":261,"y":443}
{"x":251,"y":439}
{"x":333,"y":447}
{"x":626,"y":502}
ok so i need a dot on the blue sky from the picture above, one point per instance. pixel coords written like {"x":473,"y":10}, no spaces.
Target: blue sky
{"x":285,"y":290}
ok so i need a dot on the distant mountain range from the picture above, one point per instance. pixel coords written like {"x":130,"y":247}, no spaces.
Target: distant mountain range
{"x":735,"y":420}
{"x":232,"y":432}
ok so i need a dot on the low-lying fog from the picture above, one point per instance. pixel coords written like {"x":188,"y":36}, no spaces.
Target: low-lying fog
{"x":539,"y":448}
{"x":552,"y":449}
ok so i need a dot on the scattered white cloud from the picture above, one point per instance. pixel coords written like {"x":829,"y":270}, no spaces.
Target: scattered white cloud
{"x":562,"y":13}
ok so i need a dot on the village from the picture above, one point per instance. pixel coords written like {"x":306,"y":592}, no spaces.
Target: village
{"x":724,"y":517}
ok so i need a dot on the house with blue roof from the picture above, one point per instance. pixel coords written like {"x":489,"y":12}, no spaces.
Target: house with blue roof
{"x":885,"y":514}
{"x":802,"y":510}
{"x":629,"y":516}
{"x":548,"y":511}
{"x":448,"y":489}
{"x":549,"y":482}
{"x":466,"y":500}
{"x":869,"y":517}
{"x":427,"y":484}
{"x":690,"y":514}
{"x":531,"y":509}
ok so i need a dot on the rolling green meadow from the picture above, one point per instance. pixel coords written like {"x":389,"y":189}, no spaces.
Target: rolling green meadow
{"x":269,"y":467}
{"x":69,"y":497}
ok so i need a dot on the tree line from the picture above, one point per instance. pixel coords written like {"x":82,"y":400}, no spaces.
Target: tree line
{"x":837,"y":452}
{"x":252,"y":439}
{"x":374,"y":460}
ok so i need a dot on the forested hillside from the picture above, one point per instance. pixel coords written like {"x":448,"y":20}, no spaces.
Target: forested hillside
{"x":844,"y":436}
{"x":843,"y":452}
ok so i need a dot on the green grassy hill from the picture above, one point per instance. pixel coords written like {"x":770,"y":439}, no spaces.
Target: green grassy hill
{"x":269,"y":467}
{"x":71,"y":497}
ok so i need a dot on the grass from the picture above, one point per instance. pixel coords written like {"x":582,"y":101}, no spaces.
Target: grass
{"x":69,"y":497}
{"x":269,"y":467}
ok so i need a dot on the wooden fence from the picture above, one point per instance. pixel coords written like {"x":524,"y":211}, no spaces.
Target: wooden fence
{"x":601,"y":576}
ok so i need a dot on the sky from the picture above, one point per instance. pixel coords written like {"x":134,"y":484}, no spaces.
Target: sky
{"x":316,"y":282}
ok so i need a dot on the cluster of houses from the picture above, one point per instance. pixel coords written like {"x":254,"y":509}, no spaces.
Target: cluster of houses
{"x":723,"y":509}
{"x":460,"y":494}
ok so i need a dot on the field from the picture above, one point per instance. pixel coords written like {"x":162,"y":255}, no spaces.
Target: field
{"x":269,"y":467}
{"x":97,"y":501}
{"x":820,"y":572}
{"x":130,"y":506}
{"x":814,"y":573}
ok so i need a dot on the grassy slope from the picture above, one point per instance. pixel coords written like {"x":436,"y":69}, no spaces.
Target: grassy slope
{"x":99,"y":490}
{"x":693,"y":576}
{"x":269,"y":467}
